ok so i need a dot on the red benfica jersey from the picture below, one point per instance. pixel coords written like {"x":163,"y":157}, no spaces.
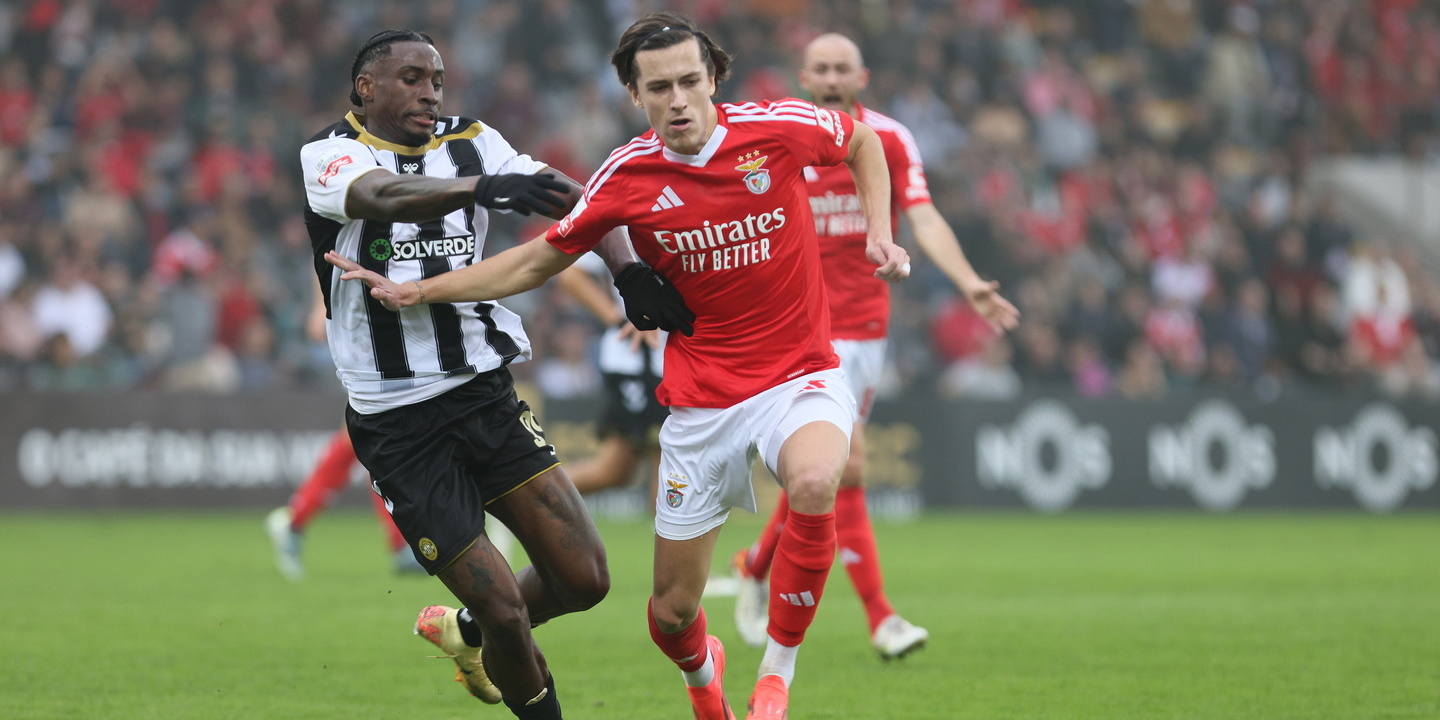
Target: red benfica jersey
{"x":731,"y":227}
{"x":859,"y":301}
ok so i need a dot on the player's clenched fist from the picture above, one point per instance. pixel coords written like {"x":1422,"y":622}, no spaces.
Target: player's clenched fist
{"x":894,"y":262}
{"x":394,"y":296}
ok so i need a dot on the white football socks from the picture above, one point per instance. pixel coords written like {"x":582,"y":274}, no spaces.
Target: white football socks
{"x":779,"y":660}
{"x":703,"y":676}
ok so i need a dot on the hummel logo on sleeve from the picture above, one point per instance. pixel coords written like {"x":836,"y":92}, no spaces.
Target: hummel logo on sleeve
{"x":668,"y":199}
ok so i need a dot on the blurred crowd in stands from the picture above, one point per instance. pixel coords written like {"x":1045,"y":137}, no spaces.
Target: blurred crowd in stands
{"x":1133,"y":171}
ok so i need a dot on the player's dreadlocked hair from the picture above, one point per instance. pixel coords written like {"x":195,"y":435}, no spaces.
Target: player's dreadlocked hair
{"x":658,"y":31}
{"x":378,"y":46}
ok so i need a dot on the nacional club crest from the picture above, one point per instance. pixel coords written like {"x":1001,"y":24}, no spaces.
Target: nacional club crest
{"x":756,"y":179}
{"x":673,"y":495}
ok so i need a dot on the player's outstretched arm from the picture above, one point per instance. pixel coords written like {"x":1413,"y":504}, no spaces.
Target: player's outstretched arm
{"x":388,"y":197}
{"x":866,"y":159}
{"x":938,"y":241}
{"x":523,"y":267}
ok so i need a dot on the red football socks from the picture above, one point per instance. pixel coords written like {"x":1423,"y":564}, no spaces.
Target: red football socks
{"x":803,"y":558}
{"x":859,"y":554}
{"x":685,"y":648}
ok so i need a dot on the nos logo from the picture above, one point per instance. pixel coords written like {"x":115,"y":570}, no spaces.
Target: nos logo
{"x":1214,"y":454}
{"x":1379,"y":457}
{"x":1046,"y":455}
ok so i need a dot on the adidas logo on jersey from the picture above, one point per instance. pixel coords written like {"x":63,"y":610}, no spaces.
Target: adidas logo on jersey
{"x":668,"y":199}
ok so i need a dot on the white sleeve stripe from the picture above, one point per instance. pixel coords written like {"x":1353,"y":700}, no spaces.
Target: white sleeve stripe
{"x":621,"y":152}
{"x":789,"y":118}
{"x":882,"y":122}
{"x":614,"y":164}
{"x":748,"y":112}
{"x":781,"y":111}
{"x":757,"y":107}
{"x":911,"y":149}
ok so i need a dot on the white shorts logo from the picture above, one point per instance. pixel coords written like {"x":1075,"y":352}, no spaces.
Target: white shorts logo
{"x":674,"y":492}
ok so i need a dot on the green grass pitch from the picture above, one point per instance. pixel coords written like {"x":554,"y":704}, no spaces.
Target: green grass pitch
{"x":1106,"y":616}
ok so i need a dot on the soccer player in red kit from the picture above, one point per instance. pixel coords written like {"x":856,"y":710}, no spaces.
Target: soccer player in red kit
{"x":715,"y":200}
{"x":833,"y":74}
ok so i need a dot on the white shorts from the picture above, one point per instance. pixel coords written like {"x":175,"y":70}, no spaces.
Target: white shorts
{"x":706,"y":453}
{"x":864,"y":363}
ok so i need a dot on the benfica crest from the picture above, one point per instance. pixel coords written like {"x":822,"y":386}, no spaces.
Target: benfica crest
{"x":674,"y":495}
{"x":756,"y":179}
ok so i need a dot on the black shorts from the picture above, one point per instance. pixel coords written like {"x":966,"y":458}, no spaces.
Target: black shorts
{"x":631,"y":410}
{"x":439,"y":462}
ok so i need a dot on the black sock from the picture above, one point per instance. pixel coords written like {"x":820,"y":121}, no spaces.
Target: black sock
{"x":469,"y":629}
{"x":548,"y":708}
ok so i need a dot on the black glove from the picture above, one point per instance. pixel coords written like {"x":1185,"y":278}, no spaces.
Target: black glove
{"x":522,"y":193}
{"x":651,"y":301}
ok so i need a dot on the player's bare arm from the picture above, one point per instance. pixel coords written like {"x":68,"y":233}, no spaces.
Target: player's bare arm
{"x":866,"y":159}
{"x":938,"y":242}
{"x":386,"y":196}
{"x":523,"y":267}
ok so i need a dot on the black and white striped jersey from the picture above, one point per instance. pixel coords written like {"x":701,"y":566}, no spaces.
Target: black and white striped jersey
{"x":387,"y":359}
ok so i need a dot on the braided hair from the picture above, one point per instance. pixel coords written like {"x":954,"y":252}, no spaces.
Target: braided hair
{"x":378,"y":46}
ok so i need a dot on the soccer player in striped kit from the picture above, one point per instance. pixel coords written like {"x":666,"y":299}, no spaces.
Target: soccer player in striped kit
{"x":833,"y":74}
{"x":714,"y":198}
{"x":402,"y":191}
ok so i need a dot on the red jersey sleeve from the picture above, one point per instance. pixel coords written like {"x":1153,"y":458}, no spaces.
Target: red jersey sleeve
{"x":596,"y":212}
{"x":907,"y":172}
{"x":817,"y":136}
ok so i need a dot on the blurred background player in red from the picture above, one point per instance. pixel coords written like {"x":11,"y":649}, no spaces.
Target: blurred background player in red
{"x":833,"y":74}
{"x":714,"y":199}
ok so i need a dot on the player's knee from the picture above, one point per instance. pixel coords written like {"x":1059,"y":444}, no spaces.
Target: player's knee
{"x":593,"y":590}
{"x":673,"y":614}
{"x":585,"y":590}
{"x":811,"y":487}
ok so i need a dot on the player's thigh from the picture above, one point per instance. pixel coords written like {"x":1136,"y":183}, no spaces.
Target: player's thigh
{"x":809,"y":442}
{"x":552,"y":523}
